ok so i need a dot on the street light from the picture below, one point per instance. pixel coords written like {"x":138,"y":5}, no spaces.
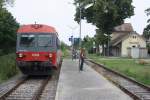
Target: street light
{"x":89,"y":5}
{"x":81,"y":6}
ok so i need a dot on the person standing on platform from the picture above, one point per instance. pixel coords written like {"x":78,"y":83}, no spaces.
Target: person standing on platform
{"x":82,"y":57}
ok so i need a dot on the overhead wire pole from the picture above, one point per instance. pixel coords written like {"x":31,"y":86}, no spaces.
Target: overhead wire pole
{"x":80,"y":8}
{"x":80,"y":26}
{"x":80,"y":33}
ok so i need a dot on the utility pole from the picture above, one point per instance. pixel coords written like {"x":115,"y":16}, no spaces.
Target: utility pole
{"x":80,"y":33}
{"x":81,"y":6}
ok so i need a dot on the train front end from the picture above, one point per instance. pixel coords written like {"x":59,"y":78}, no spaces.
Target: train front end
{"x":36,"y":49}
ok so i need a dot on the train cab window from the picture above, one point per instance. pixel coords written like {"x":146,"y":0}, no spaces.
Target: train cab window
{"x":45,"y":40}
{"x":27,"y":40}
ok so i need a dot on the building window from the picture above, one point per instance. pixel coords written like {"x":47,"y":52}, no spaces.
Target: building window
{"x":133,"y":46}
{"x":134,"y":37}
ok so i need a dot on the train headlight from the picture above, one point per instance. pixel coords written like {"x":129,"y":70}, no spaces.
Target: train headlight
{"x":20,"y":55}
{"x":50,"y":55}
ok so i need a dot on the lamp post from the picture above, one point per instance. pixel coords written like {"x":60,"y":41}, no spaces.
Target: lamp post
{"x":80,"y":26}
{"x":81,"y":6}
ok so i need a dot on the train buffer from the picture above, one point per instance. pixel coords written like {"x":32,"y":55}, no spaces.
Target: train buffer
{"x":85,"y":85}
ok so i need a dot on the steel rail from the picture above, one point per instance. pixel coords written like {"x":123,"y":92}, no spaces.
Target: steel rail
{"x":12,"y":89}
{"x":36,"y":95}
{"x":41,"y":88}
{"x":133,"y":95}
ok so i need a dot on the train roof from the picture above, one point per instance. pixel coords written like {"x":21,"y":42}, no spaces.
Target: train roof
{"x":36,"y":28}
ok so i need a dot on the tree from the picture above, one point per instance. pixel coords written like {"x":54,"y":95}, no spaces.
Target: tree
{"x":101,"y":39}
{"x":4,"y":2}
{"x":104,"y":14}
{"x":64,"y":46}
{"x":146,"y":32}
{"x":87,"y":43}
{"x":8,"y":28}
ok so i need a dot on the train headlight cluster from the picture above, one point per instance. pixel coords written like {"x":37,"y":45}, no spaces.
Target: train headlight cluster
{"x":20,"y":55}
{"x":50,"y":55}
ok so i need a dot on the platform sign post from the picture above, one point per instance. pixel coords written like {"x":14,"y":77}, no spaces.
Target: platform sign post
{"x":71,"y":39}
{"x":76,"y":41}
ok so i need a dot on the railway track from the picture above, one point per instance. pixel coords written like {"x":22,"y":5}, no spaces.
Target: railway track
{"x":133,"y":88}
{"x":32,"y":88}
{"x":27,"y":89}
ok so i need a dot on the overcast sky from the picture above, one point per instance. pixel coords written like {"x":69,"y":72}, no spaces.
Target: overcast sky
{"x":60,"y":14}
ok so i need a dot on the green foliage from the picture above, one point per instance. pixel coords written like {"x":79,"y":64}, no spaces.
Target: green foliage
{"x":100,"y":37}
{"x":8,"y":28}
{"x":104,"y":14}
{"x":147,"y":11}
{"x":4,"y":2}
{"x":87,"y":42}
{"x":146,"y":32}
{"x":64,"y":46}
{"x":7,"y":67}
{"x":64,"y":49}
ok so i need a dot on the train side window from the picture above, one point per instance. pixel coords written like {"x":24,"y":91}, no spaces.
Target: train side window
{"x":58,"y":43}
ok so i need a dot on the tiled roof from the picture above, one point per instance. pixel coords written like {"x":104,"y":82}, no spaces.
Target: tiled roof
{"x":118,"y":38}
{"x":120,"y":32}
{"x":124,"y":27}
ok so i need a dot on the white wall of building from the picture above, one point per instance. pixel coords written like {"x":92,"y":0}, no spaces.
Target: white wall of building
{"x":133,"y":40}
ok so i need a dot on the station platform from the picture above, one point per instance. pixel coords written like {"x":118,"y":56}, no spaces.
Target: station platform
{"x":85,"y":85}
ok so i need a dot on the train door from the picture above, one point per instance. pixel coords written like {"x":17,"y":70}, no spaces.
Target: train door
{"x":58,"y":51}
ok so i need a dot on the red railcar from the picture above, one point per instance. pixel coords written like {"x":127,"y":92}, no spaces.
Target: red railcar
{"x":38,"y":49}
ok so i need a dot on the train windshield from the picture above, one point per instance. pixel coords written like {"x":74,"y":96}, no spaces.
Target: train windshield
{"x":34,"y":41}
{"x":27,"y":40}
{"x":45,"y":40}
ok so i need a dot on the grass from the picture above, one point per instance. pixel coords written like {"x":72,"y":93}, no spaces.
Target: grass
{"x":129,"y":67}
{"x":7,"y":67}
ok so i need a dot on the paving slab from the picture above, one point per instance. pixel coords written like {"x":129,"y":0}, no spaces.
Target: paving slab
{"x":85,"y":85}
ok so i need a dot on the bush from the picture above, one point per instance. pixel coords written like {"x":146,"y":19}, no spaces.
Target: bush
{"x":7,"y":67}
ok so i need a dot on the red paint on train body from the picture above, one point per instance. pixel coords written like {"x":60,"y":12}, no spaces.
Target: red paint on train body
{"x":32,"y":58}
{"x":37,"y":56}
{"x":36,"y":28}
